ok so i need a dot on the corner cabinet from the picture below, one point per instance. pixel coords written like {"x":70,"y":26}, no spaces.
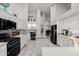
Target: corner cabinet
{"x":64,"y":41}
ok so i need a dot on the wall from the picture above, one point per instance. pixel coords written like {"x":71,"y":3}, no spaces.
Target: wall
{"x":41,"y":23}
{"x":70,"y":22}
{"x":57,"y":10}
{"x":52,"y":14}
{"x":21,"y":10}
{"x":38,"y":22}
{"x":34,"y":14}
{"x":75,"y":6}
{"x":62,"y":8}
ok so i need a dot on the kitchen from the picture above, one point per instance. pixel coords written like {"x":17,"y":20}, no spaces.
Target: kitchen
{"x":61,"y":19}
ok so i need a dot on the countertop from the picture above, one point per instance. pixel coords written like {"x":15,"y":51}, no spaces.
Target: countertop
{"x":60,"y":51}
{"x":3,"y":43}
{"x":71,"y":37}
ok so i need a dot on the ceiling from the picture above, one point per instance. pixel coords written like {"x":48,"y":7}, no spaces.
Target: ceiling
{"x":32,"y":7}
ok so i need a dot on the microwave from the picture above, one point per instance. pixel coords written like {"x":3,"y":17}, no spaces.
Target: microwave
{"x":7,"y":24}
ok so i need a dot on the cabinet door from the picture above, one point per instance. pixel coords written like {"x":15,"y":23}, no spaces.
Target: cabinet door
{"x":3,"y":50}
{"x":68,"y":42}
{"x":64,"y":41}
{"x":23,"y":41}
{"x":60,"y":41}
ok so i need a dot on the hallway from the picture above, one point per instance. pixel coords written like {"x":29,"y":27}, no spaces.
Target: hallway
{"x":33,"y":48}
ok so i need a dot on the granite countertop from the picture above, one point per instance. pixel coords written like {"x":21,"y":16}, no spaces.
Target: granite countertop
{"x":3,"y":43}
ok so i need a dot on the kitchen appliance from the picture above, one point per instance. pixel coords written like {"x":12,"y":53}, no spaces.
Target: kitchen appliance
{"x":33,"y":35}
{"x":7,"y":24}
{"x":13,"y":44}
{"x":65,"y":32}
{"x":53,"y":35}
{"x":47,"y":33}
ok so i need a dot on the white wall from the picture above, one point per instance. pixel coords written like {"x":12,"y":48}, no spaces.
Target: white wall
{"x":70,"y":22}
{"x":41,"y":22}
{"x":52,"y":14}
{"x":62,"y":8}
{"x":38,"y":22}
{"x":34,"y":14}
{"x":57,"y":10}
{"x":21,"y":9}
{"x":75,"y":6}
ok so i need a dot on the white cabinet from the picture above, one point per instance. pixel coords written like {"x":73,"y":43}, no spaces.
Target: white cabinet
{"x":59,"y":40}
{"x":23,"y":40}
{"x":64,"y":41}
{"x":68,"y":42}
{"x":3,"y":49}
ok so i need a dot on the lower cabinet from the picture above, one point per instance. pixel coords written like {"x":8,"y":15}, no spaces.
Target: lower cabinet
{"x":3,"y":50}
{"x":22,"y":41}
{"x":68,"y":42}
{"x":64,"y":41}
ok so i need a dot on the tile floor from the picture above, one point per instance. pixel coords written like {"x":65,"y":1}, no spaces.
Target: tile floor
{"x":33,"y":48}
